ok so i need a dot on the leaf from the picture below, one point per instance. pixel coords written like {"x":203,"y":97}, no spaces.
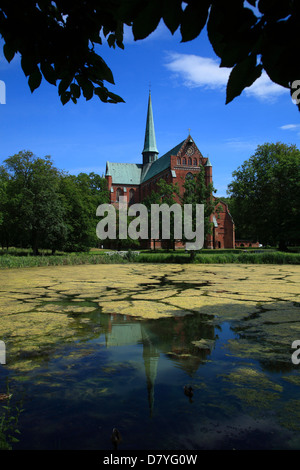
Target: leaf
{"x":232,"y":31}
{"x":172,"y":13}
{"x":275,"y":8}
{"x":102,"y":92}
{"x":49,"y":72}
{"x":111,"y":40}
{"x":75,"y":90}
{"x":194,"y":19}
{"x":27,"y":65}
{"x":242,"y":76}
{"x":35,"y":79}
{"x":65,"y":97}
{"x":147,"y":20}
{"x":101,"y":69}
{"x":64,"y":84}
{"x":114,"y":98}
{"x":8,"y":52}
{"x":87,"y":87}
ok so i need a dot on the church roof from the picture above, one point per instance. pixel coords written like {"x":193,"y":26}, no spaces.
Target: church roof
{"x":133,"y":174}
{"x":124,"y":173}
{"x":162,"y":163}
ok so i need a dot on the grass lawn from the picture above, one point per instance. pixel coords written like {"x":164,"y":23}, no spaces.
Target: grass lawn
{"x":21,"y":258}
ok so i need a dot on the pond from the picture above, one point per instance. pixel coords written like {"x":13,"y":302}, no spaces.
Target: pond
{"x":78,"y":369}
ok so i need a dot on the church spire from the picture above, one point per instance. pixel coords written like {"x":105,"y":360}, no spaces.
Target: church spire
{"x":150,"y":151}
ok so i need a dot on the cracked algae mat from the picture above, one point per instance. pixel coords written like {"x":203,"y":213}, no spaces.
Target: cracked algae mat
{"x":42,"y":306}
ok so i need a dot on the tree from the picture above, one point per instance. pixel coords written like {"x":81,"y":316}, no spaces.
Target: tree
{"x":196,"y":192}
{"x":33,"y":211}
{"x":164,"y":193}
{"x":4,"y":236}
{"x":266,"y":194}
{"x":60,"y":40}
{"x":81,"y":196}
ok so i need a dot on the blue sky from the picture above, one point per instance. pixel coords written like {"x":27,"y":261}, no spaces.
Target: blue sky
{"x":188,"y":91}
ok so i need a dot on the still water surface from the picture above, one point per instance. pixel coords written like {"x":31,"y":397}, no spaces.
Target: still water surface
{"x":130,"y":373}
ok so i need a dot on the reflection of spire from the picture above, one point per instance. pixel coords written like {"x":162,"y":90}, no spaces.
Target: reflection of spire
{"x":151,"y":357}
{"x":124,"y":332}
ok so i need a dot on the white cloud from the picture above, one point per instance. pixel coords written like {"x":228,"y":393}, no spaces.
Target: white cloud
{"x":197,"y":71}
{"x":263,"y":88}
{"x":239,"y":144}
{"x":291,"y":127}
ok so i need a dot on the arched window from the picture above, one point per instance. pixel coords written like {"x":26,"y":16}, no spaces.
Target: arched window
{"x":131,"y":196}
{"x":195,"y":161}
{"x":189,"y":161}
{"x":178,"y":161}
{"x":119,"y":193}
{"x":189,"y":176}
{"x":184,"y":161}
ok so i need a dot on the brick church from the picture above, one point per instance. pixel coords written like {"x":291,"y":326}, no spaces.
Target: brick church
{"x":137,"y":180}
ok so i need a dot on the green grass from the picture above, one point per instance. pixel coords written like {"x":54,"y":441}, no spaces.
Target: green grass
{"x":12,"y":261}
{"x":221,"y":258}
{"x":17,"y":258}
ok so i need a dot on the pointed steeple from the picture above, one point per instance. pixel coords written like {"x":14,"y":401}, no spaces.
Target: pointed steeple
{"x":150,"y":151}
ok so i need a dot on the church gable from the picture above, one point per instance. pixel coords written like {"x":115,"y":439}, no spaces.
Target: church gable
{"x":189,"y":154}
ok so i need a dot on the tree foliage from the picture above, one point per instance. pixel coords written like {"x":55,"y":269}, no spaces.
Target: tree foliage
{"x":265,"y":195}
{"x":164,"y":193}
{"x":32,"y":208}
{"x":42,"y":207}
{"x":197,"y":192}
{"x":60,"y":40}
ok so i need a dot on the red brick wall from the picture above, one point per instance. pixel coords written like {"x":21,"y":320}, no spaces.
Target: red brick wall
{"x":224,"y":233}
{"x":246,"y":243}
{"x":125,"y":193}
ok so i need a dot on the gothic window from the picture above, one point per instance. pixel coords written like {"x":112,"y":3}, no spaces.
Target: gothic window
{"x":184,"y":161}
{"x":131,"y":196}
{"x":195,"y":161}
{"x":178,"y":161}
{"x":119,"y":193}
{"x":189,"y":176}
{"x":190,"y":161}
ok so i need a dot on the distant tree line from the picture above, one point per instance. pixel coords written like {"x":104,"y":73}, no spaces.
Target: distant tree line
{"x":43,"y":207}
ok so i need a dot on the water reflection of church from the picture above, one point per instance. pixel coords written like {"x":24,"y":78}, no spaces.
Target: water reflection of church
{"x":172,"y":337}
